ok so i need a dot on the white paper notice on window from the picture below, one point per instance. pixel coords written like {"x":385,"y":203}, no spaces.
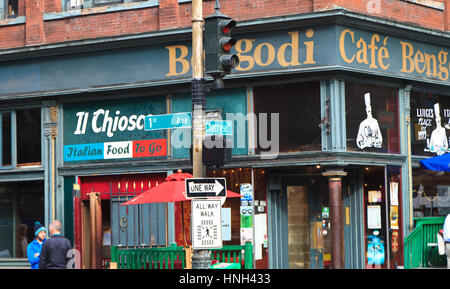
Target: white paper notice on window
{"x":394,"y":194}
{"x":260,"y":233}
{"x":374,"y":217}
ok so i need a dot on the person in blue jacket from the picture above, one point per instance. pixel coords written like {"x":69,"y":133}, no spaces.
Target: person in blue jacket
{"x":35,"y":247}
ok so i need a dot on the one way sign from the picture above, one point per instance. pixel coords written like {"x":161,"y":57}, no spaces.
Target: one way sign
{"x":206,"y":187}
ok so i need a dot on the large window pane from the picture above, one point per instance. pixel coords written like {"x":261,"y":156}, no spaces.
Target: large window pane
{"x":371,"y":118}
{"x":28,"y":136}
{"x":21,"y":205}
{"x":430,"y":119}
{"x":6,"y":139}
{"x":431,"y":193}
{"x":298,"y":108}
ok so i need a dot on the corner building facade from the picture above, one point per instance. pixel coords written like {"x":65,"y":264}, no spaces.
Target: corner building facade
{"x":332,"y":105}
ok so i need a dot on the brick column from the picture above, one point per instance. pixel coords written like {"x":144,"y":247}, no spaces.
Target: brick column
{"x":21,"y":8}
{"x":34,"y":25}
{"x":169,"y":14}
{"x":53,"y":5}
{"x":447,"y":16}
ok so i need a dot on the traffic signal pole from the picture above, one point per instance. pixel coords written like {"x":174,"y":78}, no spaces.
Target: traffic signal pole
{"x":219,"y":62}
{"x":201,"y":259}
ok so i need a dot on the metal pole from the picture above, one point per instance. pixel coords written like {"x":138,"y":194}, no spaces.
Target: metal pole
{"x":408,"y":135}
{"x":198,"y":88}
{"x":201,"y":259}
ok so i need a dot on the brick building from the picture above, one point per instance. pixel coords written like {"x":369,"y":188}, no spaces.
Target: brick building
{"x":78,"y":73}
{"x":48,"y":22}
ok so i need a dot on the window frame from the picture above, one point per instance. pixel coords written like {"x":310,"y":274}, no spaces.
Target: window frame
{"x":434,"y":94}
{"x":5,"y":11}
{"x":397,"y":115}
{"x":14,"y":163}
{"x":13,"y":152}
{"x":86,"y":4}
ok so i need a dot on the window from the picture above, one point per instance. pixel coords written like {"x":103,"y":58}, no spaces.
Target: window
{"x":6,"y":139}
{"x":431,"y":193}
{"x":298,"y":109}
{"x":13,"y":8}
{"x":80,"y":4}
{"x":430,"y":119}
{"x":371,"y":118}
{"x":21,"y":205}
{"x":20,"y":137}
{"x":28,"y":136}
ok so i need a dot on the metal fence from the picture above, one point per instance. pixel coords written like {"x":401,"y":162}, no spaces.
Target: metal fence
{"x":419,"y":248}
{"x":174,"y":257}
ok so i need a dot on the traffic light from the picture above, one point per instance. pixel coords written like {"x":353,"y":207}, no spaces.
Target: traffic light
{"x":218,"y":43}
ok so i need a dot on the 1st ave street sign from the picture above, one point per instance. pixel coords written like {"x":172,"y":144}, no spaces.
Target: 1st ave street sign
{"x":168,"y":121}
{"x":206,"y":187}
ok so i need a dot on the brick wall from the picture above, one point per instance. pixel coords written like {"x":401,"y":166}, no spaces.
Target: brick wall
{"x":96,"y":22}
{"x":101,"y":25}
{"x":447,"y":15}
{"x":398,"y":10}
{"x":34,"y":25}
{"x":12,"y":36}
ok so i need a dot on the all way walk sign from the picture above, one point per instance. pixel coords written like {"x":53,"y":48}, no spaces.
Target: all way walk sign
{"x":206,"y":187}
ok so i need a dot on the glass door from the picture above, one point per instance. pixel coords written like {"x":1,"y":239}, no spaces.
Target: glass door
{"x":382,"y":218}
{"x":375,"y":228}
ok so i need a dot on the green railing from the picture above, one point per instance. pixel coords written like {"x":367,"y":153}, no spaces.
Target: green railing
{"x":173,"y":257}
{"x":233,"y":254}
{"x":149,"y":258}
{"x":9,"y":263}
{"x":417,"y":252}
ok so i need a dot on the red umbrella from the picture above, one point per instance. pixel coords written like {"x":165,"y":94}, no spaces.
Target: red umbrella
{"x":172,"y":190}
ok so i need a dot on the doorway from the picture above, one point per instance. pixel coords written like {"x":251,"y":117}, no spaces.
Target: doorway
{"x":296,"y":233}
{"x":298,"y":227}
{"x":382,"y":217}
{"x":96,"y":233}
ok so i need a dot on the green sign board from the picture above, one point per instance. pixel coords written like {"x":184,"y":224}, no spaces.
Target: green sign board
{"x":284,"y":50}
{"x":113,"y":130}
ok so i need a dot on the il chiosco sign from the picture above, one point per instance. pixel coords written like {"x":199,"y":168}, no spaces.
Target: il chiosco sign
{"x":103,"y":122}
{"x":112,"y":130}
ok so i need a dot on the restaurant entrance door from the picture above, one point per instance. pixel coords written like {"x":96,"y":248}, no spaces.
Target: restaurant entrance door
{"x":382,"y":217}
{"x":304,"y":241}
{"x":298,"y":227}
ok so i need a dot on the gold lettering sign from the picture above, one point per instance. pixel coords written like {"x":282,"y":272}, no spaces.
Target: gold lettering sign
{"x":365,"y":51}
{"x":373,"y":51}
{"x":173,"y":60}
{"x":261,"y":55}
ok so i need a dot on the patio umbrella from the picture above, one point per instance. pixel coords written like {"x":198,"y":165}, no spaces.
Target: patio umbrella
{"x":172,"y":190}
{"x":438,"y":163}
